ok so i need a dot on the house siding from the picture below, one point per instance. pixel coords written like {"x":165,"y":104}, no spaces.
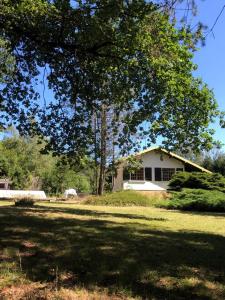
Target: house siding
{"x":145,"y":185}
{"x":153,"y":159}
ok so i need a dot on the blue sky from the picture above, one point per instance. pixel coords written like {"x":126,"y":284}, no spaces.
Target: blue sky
{"x":211,"y":58}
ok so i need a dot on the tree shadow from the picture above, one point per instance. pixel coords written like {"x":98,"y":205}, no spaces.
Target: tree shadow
{"x":200,"y":213}
{"x":118,"y":256}
{"x":96,"y":213}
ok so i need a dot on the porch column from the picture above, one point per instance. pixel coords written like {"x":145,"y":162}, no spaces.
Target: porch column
{"x":153,"y":174}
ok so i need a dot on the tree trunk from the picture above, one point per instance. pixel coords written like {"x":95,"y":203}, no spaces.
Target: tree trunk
{"x":101,"y":182}
{"x":113,"y":159}
{"x":96,"y":154}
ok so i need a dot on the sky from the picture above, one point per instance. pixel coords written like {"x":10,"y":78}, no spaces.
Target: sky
{"x":211,"y":57}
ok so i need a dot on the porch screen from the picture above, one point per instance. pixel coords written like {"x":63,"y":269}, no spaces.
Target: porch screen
{"x":158,"y":174}
{"x":137,"y":175}
{"x":167,"y":173}
{"x":148,"y":174}
{"x":164,"y":174}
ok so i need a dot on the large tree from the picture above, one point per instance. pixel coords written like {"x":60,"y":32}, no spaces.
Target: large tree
{"x":118,"y":70}
{"x":7,"y":63}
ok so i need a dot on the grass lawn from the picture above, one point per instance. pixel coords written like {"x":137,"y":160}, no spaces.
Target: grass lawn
{"x":69,"y":251}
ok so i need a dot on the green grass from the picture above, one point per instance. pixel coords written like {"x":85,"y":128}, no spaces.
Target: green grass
{"x":123,"y":198}
{"x":6,"y":202}
{"x":139,"y":252}
{"x":196,"y":200}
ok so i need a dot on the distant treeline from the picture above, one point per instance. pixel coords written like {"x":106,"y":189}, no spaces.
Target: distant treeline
{"x":215,"y":163}
{"x":213,"y":160}
{"x":22,"y":162}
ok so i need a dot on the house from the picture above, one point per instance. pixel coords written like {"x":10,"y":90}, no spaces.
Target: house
{"x":5,"y":183}
{"x":158,"y":167}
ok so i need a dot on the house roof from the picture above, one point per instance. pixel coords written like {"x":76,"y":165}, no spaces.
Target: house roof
{"x":184,"y":160}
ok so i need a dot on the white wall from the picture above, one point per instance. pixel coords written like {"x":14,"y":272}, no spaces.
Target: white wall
{"x":153,"y":159}
{"x":156,"y":159}
{"x":145,"y":185}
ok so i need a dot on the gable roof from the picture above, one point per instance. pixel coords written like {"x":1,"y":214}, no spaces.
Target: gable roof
{"x":178,"y":157}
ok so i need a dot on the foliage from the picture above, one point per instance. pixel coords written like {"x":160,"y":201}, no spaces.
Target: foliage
{"x":123,"y":198}
{"x":7,"y":62}
{"x":23,"y":163}
{"x":61,"y":178}
{"x":215,"y":162}
{"x":24,"y":202}
{"x":198,"y":180}
{"x":117,"y":64}
{"x":133,"y":164}
{"x":196,"y":200}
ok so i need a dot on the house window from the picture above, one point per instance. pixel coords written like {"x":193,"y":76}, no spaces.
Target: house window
{"x":179,"y":170}
{"x":148,"y":174}
{"x":2,"y":186}
{"x":158,"y":174}
{"x":167,"y":173}
{"x":164,"y":174}
{"x":137,"y":175}
{"x":141,"y":174}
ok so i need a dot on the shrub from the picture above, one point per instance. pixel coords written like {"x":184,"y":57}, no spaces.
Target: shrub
{"x":198,"y":180}
{"x":122,"y":198}
{"x":196,"y":200}
{"x":179,"y":179}
{"x":24,"y":202}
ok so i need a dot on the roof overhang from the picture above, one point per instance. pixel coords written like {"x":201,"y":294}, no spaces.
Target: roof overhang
{"x":178,"y":157}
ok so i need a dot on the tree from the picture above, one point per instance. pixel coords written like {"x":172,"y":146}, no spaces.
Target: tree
{"x":60,"y":178}
{"x":7,"y":64}
{"x":6,"y":61}
{"x":126,"y":59}
{"x":23,"y":163}
{"x":215,"y":161}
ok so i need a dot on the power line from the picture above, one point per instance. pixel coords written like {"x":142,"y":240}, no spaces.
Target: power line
{"x":216,"y":21}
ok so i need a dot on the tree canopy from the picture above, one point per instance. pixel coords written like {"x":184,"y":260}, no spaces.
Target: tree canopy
{"x":113,"y":67}
{"x":22,"y":162}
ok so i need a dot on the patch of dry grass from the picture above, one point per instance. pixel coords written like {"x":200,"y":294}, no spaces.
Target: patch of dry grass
{"x":126,"y":198}
{"x":37,"y":291}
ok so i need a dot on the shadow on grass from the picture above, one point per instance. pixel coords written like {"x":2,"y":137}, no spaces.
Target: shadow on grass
{"x":95,"y":213}
{"x":128,"y":256}
{"x":198,"y":213}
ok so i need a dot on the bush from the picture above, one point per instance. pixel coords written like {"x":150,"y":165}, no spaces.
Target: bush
{"x":198,"y":180}
{"x":122,"y":198}
{"x":24,"y":202}
{"x":59,"y":180}
{"x":196,"y":200}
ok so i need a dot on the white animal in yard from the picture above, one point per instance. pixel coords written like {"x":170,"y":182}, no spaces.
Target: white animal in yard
{"x":70,"y":192}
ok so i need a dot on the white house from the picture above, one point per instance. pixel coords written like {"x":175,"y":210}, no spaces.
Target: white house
{"x":158,"y":167}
